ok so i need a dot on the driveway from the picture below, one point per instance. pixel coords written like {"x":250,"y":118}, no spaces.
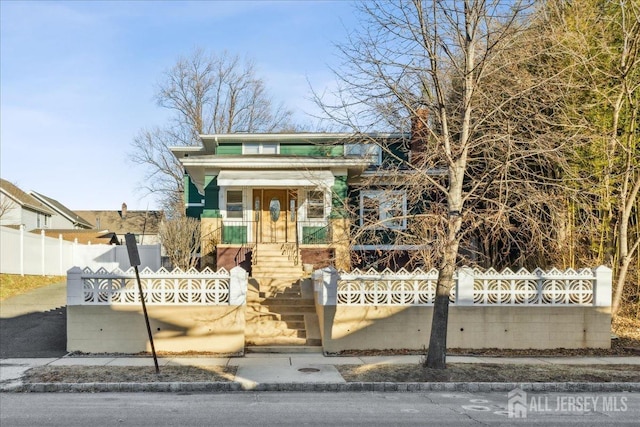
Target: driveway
{"x":34,"y":324}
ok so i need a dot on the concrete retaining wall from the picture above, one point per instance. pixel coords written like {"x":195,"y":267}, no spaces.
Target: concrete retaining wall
{"x":506,"y":327}
{"x":176,"y":328}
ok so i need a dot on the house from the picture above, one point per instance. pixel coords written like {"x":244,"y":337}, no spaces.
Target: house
{"x":64,"y":218}
{"x":18,"y":208}
{"x":295,"y":192}
{"x":143,"y":224}
{"x":82,"y":236}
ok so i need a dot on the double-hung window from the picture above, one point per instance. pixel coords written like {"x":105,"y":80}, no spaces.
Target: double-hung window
{"x":315,"y":204}
{"x":383,"y":209}
{"x":234,"y":204}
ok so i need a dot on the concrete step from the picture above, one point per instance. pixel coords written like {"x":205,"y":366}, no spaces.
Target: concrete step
{"x":276,"y":256}
{"x":313,"y":348}
{"x":271,"y":271}
{"x":271,"y":329}
{"x":287,"y":317}
{"x":293,"y":309}
{"x":275,"y":341}
{"x":281,"y":300}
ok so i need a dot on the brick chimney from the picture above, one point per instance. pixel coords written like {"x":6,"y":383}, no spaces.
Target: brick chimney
{"x":123,"y":213}
{"x":419,"y":135}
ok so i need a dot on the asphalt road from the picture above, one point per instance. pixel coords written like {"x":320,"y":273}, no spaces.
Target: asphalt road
{"x":310,"y":409}
{"x":34,"y":324}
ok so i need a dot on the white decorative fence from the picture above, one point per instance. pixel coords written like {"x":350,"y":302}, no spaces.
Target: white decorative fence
{"x":365,"y":310}
{"x":161,"y":287}
{"x":473,"y":287}
{"x":199,"y":311}
{"x":23,"y":252}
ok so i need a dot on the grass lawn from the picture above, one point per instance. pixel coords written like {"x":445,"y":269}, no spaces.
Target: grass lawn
{"x":14,"y":284}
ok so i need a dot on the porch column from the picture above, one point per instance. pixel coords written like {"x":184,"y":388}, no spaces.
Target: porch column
{"x":340,"y":243}
{"x":210,"y":234}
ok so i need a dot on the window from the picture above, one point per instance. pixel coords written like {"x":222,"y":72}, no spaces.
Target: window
{"x":260,"y":148}
{"x":383,"y":209}
{"x":234,"y":204}
{"x":369,"y":151}
{"x":42,"y":220}
{"x":315,"y":204}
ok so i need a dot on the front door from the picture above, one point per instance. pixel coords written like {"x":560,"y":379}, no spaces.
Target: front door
{"x":274,"y":222}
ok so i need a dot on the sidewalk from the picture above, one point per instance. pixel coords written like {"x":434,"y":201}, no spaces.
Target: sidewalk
{"x":299,"y":372}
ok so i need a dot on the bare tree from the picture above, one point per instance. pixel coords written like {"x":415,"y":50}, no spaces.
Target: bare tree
{"x":180,"y":237}
{"x":6,"y":205}
{"x":485,"y":160}
{"x":208,"y":94}
{"x":602,"y":41}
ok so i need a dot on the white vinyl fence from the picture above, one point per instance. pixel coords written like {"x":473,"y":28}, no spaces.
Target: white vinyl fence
{"x":28,"y":253}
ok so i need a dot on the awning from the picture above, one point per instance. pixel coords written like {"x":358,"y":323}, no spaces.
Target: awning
{"x":276,"y":178}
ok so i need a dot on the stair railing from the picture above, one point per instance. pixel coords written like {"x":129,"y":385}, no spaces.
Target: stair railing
{"x":291,"y":250}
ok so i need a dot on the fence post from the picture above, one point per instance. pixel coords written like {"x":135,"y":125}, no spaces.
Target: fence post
{"x":22,"y":249}
{"x":75,"y":288}
{"x":60,"y":258}
{"x":464,"y":292}
{"x":238,"y":283}
{"x":602,"y":286}
{"x":42,"y":252}
{"x":328,"y":292}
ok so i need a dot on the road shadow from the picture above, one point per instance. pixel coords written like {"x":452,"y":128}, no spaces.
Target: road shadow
{"x":34,"y":335}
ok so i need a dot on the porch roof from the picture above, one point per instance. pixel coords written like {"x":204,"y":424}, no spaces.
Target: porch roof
{"x":279,"y":178}
{"x":253,"y":168}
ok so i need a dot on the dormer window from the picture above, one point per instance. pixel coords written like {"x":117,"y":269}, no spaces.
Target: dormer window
{"x":260,"y":148}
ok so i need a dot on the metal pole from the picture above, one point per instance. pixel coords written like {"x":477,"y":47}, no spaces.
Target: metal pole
{"x":146,"y":319}
{"x":134,"y":260}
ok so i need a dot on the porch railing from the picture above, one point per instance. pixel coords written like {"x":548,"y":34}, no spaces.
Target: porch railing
{"x":292,"y":251}
{"x":315,"y":232}
{"x":236,"y":232}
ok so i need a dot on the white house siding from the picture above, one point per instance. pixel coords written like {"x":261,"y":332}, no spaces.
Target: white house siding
{"x":12,"y":214}
{"x":59,"y":222}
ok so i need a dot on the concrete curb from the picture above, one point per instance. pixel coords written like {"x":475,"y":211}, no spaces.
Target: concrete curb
{"x":219,"y":387}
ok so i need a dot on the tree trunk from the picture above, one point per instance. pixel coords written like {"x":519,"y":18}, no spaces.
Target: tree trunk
{"x":437,"y":354}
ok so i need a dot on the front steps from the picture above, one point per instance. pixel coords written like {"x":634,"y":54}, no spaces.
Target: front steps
{"x":284,"y":319}
{"x":280,"y":313}
{"x":274,"y":269}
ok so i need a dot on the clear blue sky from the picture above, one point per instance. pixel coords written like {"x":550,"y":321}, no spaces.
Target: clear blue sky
{"x":78,"y":79}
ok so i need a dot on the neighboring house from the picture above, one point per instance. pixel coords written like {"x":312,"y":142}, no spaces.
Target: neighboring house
{"x":83,"y":236}
{"x":144,"y":225}
{"x":291,"y":189}
{"x":19,"y":208}
{"x":64,"y":218}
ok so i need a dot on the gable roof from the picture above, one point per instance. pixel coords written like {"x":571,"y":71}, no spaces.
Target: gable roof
{"x":25,"y":200}
{"x":62,"y":210}
{"x":136,"y":222}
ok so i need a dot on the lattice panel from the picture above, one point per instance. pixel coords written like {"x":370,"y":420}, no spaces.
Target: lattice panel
{"x":175,"y":287}
{"x":533,"y":291}
{"x":365,"y":291}
{"x":489,"y":287}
